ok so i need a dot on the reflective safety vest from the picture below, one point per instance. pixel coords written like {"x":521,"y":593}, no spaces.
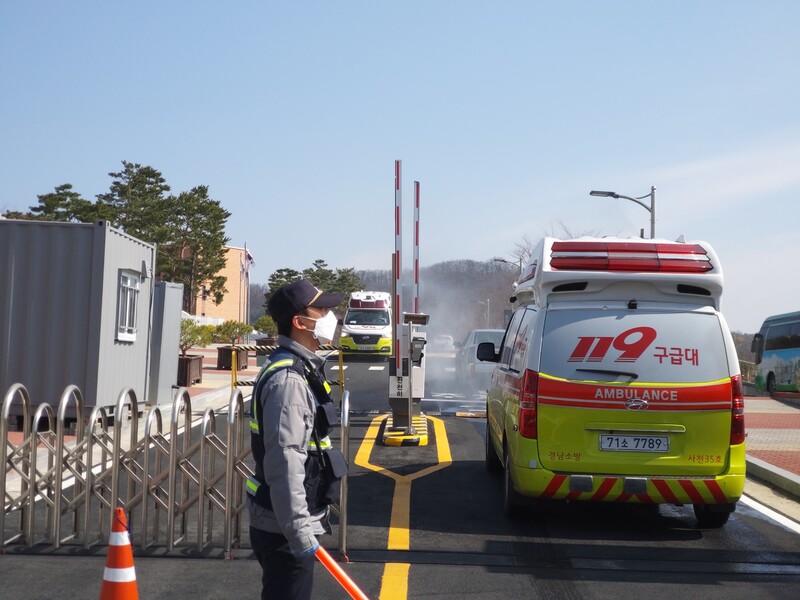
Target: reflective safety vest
{"x":319,"y":445}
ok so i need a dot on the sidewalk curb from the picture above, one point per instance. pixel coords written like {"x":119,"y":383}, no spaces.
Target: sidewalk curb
{"x":781,"y":478}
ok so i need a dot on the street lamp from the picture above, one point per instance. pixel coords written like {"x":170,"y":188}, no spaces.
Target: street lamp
{"x":487,"y":309}
{"x":508,"y":262}
{"x":651,"y":209}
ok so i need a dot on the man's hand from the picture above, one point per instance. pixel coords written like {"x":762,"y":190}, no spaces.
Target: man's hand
{"x":308,"y":552}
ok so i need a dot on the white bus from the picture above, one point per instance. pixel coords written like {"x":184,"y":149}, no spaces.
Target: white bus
{"x":777,"y":350}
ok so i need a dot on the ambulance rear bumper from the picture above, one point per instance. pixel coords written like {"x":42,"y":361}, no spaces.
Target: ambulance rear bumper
{"x":725,"y":488}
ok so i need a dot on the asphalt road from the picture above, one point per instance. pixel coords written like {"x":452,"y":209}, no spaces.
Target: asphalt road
{"x":426,"y":522}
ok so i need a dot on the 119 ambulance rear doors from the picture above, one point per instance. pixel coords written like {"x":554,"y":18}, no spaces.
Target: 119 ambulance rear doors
{"x":634,"y":392}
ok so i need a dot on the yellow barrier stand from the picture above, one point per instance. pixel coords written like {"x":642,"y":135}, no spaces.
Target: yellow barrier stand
{"x":234,"y":366}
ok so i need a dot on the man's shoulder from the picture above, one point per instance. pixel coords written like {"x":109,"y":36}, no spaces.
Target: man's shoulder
{"x":281,"y":374}
{"x":281,"y":357}
{"x":282,"y":370}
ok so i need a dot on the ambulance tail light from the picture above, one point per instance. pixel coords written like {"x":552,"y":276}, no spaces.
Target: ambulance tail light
{"x":737,"y":411}
{"x":528,"y":401}
{"x":629,"y":256}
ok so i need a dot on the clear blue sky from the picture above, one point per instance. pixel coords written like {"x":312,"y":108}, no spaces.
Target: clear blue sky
{"x":508,"y":113}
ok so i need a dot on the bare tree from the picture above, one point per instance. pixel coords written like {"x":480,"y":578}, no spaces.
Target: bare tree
{"x":524,"y":248}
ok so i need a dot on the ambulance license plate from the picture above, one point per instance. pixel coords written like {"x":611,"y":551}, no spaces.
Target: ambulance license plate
{"x":634,"y":443}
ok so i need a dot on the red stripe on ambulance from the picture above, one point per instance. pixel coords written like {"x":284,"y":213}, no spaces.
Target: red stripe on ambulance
{"x":690,"y":487}
{"x":553,"y":486}
{"x":604,"y":488}
{"x":691,"y":491}
{"x":716,"y":491}
{"x":663,"y":489}
{"x":710,"y":396}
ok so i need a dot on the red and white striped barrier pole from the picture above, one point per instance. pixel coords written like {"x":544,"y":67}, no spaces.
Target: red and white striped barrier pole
{"x":416,"y":246}
{"x":398,"y":246}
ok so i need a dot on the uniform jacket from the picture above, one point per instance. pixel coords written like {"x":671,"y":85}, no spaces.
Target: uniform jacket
{"x":288,"y":408}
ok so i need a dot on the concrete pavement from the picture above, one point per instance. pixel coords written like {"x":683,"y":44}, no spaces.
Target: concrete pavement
{"x":773,"y":441}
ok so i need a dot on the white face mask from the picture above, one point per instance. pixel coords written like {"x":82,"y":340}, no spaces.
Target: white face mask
{"x":325,"y":327}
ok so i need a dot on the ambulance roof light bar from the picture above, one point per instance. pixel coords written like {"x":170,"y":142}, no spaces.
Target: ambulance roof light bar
{"x":629,"y":256}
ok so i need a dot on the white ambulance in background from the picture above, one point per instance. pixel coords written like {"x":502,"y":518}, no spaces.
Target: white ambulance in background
{"x":367,"y":324}
{"x":617,"y":380}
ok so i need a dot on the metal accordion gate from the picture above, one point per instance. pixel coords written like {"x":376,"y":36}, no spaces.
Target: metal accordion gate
{"x":180,"y":482}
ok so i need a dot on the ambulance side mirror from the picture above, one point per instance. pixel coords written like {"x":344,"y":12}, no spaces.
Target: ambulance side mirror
{"x":486,"y":352}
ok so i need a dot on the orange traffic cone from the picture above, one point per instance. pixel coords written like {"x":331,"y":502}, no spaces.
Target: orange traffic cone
{"x":119,"y":578}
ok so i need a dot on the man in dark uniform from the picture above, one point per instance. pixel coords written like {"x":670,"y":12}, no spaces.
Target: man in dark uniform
{"x":284,"y":521}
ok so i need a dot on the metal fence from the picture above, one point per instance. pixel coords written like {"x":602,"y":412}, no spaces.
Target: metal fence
{"x":179,"y":485}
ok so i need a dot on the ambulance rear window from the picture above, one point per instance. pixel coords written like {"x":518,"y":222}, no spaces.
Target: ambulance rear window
{"x":644,"y":346}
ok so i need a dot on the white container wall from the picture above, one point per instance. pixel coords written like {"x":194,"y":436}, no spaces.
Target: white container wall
{"x":75,"y":308}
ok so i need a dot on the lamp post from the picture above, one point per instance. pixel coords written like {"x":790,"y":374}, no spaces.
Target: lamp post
{"x":651,"y":209}
{"x":487,"y":309}
{"x":508,"y":262}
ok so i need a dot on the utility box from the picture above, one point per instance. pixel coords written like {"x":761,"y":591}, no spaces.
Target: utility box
{"x":405,"y":383}
{"x":75,"y":308}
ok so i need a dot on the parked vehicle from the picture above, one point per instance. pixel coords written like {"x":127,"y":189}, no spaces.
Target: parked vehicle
{"x":474,"y":375}
{"x":777,"y":350}
{"x":442,"y":343}
{"x":618,"y":381}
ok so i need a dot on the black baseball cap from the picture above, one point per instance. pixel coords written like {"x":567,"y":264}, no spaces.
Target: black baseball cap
{"x":290,"y":299}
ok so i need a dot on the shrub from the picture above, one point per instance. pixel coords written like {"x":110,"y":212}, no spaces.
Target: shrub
{"x":230,"y":331}
{"x":192,"y":335}
{"x":266,"y":325}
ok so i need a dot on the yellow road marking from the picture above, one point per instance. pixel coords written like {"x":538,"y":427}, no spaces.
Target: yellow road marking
{"x":394,"y":583}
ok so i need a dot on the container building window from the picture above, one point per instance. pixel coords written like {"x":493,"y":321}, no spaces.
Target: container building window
{"x":128,"y":302}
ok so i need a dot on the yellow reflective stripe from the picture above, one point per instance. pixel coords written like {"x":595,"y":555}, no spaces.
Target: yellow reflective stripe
{"x":325,"y":444}
{"x":252,"y":485}
{"x":285,"y":362}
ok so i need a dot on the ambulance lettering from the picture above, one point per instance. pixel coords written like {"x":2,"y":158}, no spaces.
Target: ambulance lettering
{"x":631,"y":343}
{"x":678,"y":356}
{"x":606,"y":393}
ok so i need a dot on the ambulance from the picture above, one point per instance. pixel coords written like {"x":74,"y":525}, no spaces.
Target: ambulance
{"x":367,"y":324}
{"x":617,"y":380}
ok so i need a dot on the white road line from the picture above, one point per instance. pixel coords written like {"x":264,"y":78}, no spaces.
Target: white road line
{"x":775,"y":516}
{"x":336,"y":367}
{"x":377,"y":368}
